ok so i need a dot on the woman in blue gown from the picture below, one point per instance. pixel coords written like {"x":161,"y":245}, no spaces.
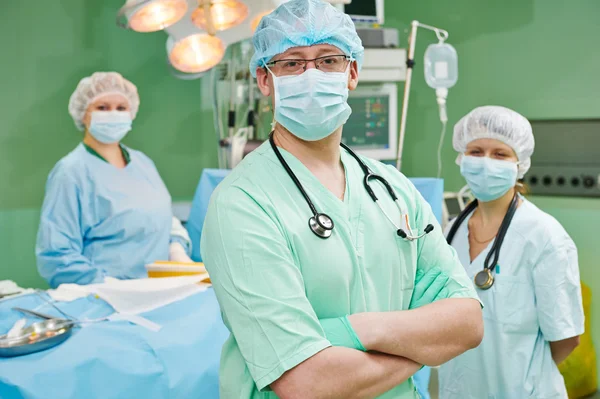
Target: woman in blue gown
{"x":106,"y":211}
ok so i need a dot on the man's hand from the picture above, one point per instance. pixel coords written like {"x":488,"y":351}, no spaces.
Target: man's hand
{"x":339,"y":332}
{"x":430,"y":286}
{"x":430,"y":335}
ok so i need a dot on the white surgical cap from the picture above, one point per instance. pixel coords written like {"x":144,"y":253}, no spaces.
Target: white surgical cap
{"x":494,"y":122}
{"x":302,"y":23}
{"x":97,"y":85}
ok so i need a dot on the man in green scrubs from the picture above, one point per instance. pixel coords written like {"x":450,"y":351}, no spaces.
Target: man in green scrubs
{"x":349,"y":316}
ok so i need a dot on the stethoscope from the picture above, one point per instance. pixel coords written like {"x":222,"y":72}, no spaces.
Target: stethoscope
{"x":322,"y":225}
{"x":484,"y":279}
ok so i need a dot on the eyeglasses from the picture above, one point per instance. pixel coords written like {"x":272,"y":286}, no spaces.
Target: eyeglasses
{"x":330,"y":63}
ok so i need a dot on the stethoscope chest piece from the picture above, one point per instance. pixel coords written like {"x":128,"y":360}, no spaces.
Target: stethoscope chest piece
{"x":484,"y":279}
{"x":321,"y":225}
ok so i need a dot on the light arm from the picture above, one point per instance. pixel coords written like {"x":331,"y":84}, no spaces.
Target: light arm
{"x":431,"y":335}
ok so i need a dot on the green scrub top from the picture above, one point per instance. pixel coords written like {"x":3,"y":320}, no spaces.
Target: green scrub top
{"x":274,"y":278}
{"x":126,"y":155}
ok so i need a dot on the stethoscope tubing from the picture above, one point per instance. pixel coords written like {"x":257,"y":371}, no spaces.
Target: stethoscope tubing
{"x":324,"y":231}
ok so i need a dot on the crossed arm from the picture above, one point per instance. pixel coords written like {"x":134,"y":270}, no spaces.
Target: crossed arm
{"x":399,"y":343}
{"x":338,"y":372}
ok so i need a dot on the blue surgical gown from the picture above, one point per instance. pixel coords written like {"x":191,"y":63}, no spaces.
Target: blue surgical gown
{"x":100,"y":221}
{"x":275,"y":279}
{"x":535,"y":300}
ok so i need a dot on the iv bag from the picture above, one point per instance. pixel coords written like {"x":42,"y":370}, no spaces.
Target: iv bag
{"x":441,"y":66}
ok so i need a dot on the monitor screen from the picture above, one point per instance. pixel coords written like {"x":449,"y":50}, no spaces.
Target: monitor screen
{"x":372,"y":128}
{"x":365,"y":10}
{"x":368,"y":127}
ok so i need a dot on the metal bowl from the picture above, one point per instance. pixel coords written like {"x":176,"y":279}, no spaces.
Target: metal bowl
{"x":37,"y":337}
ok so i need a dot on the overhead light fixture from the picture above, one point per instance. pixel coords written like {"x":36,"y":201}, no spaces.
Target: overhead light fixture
{"x":256,"y":20}
{"x":219,"y":15}
{"x":151,"y":15}
{"x":199,"y":31}
{"x":195,"y":53}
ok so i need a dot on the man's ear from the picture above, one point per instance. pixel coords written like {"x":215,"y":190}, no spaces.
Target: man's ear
{"x":353,"y":76}
{"x":264,"y":81}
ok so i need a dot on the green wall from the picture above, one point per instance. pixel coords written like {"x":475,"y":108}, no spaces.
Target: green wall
{"x":48,"y":47}
{"x":539,"y":57}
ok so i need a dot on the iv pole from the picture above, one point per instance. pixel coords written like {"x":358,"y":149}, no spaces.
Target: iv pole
{"x":410,"y":63}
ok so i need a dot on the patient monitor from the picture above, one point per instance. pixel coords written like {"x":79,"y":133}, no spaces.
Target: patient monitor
{"x":368,"y":11}
{"x":373,"y":126}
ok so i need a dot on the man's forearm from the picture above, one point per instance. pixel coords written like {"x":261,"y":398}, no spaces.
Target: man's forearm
{"x":340,"y":373}
{"x":430,"y":335}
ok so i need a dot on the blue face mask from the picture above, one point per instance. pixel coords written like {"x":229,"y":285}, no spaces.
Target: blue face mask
{"x":488,"y":179}
{"x":110,"y":127}
{"x":312,"y":105}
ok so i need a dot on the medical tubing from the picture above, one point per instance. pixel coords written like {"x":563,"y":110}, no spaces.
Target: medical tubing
{"x":362,"y":165}
{"x":443,"y":113}
{"x":388,"y":217}
{"x":495,"y":250}
{"x":459,"y":220}
{"x":370,"y":175}
{"x":501,"y":233}
{"x":440,"y":146}
{"x":292,"y":175}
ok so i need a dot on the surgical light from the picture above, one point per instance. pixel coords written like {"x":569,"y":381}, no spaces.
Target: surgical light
{"x":196,"y":53}
{"x":198,"y":31}
{"x":256,"y":20}
{"x":219,"y":15}
{"x":151,"y":15}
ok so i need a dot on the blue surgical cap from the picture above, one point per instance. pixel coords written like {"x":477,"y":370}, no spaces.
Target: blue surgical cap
{"x":301,"y":23}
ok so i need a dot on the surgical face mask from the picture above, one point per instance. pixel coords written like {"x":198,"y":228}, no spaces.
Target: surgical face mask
{"x":312,"y":105}
{"x":110,"y":127}
{"x":488,"y":179}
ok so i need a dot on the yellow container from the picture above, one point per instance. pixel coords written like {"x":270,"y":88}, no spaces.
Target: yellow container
{"x":175,"y":269}
{"x":579,"y":369}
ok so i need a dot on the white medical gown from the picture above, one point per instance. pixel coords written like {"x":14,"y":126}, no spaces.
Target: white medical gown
{"x":99,"y":221}
{"x":535,"y":300}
